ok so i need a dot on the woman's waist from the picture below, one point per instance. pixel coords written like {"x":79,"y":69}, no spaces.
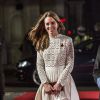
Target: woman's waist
{"x":53,"y":73}
{"x":54,"y":69}
{"x":54,"y":66}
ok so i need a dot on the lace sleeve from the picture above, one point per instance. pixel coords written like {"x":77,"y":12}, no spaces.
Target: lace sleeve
{"x":41,"y":68}
{"x":69,"y":63}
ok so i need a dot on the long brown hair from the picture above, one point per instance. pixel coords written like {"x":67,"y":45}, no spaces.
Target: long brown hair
{"x":39,"y":36}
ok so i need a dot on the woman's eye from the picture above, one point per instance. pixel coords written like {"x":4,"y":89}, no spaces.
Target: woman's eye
{"x":47,"y":23}
{"x":52,"y":23}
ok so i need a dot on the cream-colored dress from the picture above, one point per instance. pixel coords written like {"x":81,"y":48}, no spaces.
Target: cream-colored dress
{"x":55,"y":64}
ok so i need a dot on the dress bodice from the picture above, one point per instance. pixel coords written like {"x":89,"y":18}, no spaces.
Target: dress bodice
{"x":55,"y":54}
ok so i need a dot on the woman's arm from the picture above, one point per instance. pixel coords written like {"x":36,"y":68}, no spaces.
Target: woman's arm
{"x":41,"y":68}
{"x":69,"y":63}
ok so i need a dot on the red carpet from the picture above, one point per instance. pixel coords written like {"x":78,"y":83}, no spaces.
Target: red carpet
{"x":26,"y":96}
{"x":84,"y":95}
{"x":89,"y":95}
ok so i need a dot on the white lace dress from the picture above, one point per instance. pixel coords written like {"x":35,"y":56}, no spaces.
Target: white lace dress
{"x":55,"y":64}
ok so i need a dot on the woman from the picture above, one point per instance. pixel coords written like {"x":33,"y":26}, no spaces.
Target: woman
{"x":55,"y":59}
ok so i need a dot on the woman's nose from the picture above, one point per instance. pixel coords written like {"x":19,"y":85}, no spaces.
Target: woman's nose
{"x":50,"y":25}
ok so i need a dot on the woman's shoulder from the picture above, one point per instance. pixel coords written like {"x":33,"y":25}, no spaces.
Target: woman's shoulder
{"x":66,"y":37}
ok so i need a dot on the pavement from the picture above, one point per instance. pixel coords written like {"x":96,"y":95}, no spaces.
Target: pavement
{"x":12,"y":92}
{"x":15,"y":87}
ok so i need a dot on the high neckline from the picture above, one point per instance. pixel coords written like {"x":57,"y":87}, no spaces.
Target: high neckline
{"x":54,"y":37}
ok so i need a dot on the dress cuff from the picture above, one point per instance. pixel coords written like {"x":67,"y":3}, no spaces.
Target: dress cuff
{"x":61,"y":82}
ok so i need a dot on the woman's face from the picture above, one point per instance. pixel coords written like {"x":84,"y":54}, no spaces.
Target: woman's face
{"x":51,"y":26}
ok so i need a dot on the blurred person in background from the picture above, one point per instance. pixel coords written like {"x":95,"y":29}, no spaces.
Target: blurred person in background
{"x":81,"y":36}
{"x":55,"y":59}
{"x":96,"y":70}
{"x":2,"y":80}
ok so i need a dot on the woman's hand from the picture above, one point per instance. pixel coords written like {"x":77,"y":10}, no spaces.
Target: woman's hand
{"x":48,"y":88}
{"x":57,"y":88}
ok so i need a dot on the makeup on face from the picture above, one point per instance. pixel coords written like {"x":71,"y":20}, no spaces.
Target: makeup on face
{"x":51,"y":26}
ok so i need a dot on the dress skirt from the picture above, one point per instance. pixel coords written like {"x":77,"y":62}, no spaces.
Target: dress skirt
{"x":69,"y":91}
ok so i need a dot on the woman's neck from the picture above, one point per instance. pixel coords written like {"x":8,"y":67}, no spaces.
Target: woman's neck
{"x":54,"y":35}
